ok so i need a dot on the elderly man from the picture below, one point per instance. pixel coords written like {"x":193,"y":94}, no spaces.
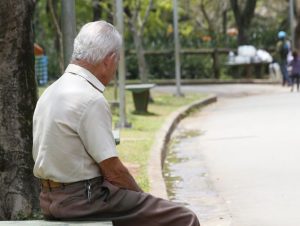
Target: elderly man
{"x":74,"y":150}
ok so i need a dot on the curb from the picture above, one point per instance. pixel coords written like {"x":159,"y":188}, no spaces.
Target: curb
{"x":158,"y":150}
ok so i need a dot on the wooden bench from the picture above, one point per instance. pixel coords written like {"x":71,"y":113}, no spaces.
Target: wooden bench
{"x":248,"y":70}
{"x":140,"y":94}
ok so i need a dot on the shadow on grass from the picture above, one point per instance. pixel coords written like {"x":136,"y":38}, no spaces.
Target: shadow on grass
{"x":144,"y":113}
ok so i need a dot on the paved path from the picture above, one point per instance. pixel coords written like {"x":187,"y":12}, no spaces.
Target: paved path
{"x":240,"y":164}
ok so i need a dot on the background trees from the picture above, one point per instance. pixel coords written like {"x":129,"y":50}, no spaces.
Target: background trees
{"x":149,"y":26}
{"x":202,"y":24}
{"x":243,"y":14}
{"x":18,"y":187}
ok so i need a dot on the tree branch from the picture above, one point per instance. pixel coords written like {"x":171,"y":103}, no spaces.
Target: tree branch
{"x":211,"y":28}
{"x":54,"y":19}
{"x":59,"y":33}
{"x":248,"y":12}
{"x":236,"y":12}
{"x":146,"y":15}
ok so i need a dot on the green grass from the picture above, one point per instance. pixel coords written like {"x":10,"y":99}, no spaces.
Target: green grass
{"x":136,"y":142}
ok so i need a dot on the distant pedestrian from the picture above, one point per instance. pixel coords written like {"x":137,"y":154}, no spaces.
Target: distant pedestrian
{"x":282,"y":50}
{"x":295,"y":74}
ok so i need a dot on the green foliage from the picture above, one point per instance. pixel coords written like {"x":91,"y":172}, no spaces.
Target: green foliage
{"x":137,"y":141}
{"x":158,"y":32}
{"x":44,"y":32}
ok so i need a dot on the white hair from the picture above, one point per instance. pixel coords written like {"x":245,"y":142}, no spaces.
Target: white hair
{"x":95,"y":41}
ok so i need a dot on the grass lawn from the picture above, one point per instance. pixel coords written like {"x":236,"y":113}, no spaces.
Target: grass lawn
{"x":136,"y":142}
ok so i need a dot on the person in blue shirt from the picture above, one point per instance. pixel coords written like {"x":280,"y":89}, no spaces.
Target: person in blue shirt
{"x":282,"y":50}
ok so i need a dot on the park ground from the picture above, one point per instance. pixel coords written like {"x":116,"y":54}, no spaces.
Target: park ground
{"x":239,"y":166}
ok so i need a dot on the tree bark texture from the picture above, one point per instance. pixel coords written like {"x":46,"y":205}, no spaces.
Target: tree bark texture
{"x":243,"y":17}
{"x":19,"y":189}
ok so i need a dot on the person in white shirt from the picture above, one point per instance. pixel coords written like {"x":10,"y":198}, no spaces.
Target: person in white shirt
{"x":75,"y":155}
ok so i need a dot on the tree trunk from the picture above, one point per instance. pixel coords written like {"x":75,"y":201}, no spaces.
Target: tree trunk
{"x":297,"y":28}
{"x":143,"y":69}
{"x":19,"y":189}
{"x":297,"y":34}
{"x":96,"y":10}
{"x":243,"y":18}
{"x":52,"y":5}
{"x":138,"y":32}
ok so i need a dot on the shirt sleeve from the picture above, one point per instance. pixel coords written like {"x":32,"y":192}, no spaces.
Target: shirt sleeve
{"x":95,"y":130}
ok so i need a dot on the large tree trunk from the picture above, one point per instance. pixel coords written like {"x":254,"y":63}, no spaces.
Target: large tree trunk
{"x":19,"y":189}
{"x":243,"y":18}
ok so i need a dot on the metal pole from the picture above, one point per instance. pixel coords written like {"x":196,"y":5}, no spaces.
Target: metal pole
{"x":68,"y":21}
{"x":122,"y":68}
{"x":177,"y":49}
{"x":292,"y":27}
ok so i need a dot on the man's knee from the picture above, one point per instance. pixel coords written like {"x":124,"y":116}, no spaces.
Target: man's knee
{"x":191,"y":217}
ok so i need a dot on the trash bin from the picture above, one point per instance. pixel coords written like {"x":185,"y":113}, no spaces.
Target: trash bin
{"x":140,"y":94}
{"x":41,"y":69}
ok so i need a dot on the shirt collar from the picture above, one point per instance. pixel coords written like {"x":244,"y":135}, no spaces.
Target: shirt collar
{"x":84,"y":73}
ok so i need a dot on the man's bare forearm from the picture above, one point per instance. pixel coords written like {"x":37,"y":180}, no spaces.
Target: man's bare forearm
{"x":116,"y":173}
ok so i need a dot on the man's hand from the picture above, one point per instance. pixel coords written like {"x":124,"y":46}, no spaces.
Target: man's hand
{"x":115,"y":172}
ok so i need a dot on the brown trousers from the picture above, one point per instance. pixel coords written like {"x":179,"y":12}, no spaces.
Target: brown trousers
{"x":99,"y":200}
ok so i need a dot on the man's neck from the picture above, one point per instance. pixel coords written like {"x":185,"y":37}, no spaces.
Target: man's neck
{"x":90,"y":67}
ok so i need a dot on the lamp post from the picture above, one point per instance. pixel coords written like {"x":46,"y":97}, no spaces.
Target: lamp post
{"x":122,"y":68}
{"x":177,"y":49}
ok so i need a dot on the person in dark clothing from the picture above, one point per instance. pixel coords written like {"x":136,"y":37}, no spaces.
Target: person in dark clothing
{"x":295,"y":74}
{"x":282,"y":50}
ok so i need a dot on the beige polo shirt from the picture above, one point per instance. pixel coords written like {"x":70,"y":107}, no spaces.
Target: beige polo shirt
{"x":72,"y":129}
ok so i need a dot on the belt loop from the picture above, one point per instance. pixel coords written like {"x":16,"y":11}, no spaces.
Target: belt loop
{"x":88,"y":190}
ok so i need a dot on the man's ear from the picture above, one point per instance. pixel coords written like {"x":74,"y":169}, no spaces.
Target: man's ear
{"x":109,"y":59}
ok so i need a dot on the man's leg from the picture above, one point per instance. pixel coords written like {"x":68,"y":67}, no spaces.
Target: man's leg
{"x":293,"y":80}
{"x":104,"y":201}
{"x":153,"y":211}
{"x":298,"y":78}
{"x":132,"y":208}
{"x":285,"y":75}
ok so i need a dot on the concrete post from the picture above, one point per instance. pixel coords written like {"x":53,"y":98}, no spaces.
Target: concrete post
{"x":177,"y":49}
{"x":122,"y":67}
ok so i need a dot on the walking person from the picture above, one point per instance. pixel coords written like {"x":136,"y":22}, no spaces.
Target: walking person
{"x":74,"y":151}
{"x":282,"y":50}
{"x":295,"y":73}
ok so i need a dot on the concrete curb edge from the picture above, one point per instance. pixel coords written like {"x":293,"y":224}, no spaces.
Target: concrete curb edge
{"x":158,"y":150}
